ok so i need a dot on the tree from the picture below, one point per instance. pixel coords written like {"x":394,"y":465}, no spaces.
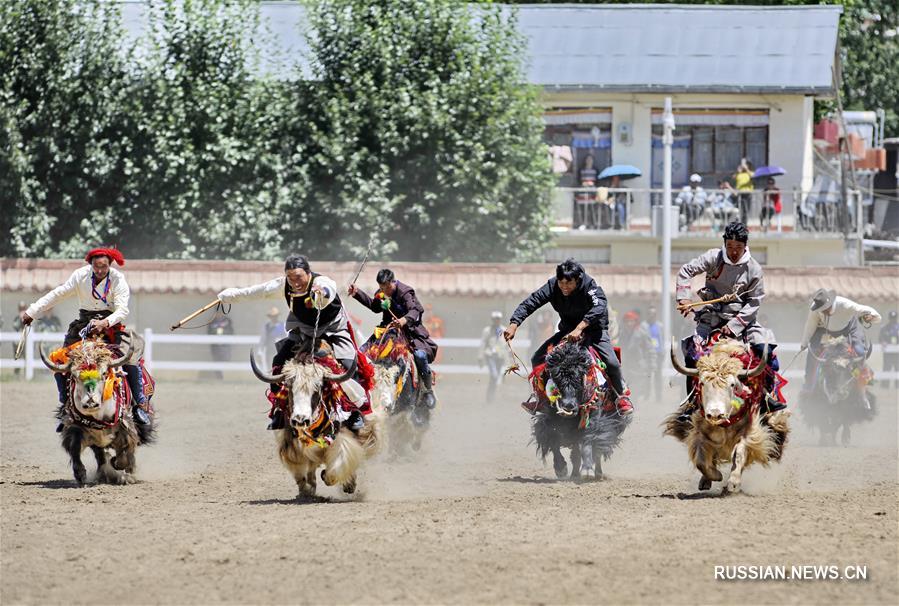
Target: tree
{"x":421,"y":133}
{"x":62,"y":84}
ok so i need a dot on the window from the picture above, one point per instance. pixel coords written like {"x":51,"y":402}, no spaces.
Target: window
{"x":587,"y":131}
{"x":710,"y":143}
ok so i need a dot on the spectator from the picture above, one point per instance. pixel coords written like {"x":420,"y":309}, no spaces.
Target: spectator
{"x":584,"y":199}
{"x":272,"y":332}
{"x":723,"y":208}
{"x":691,"y":200}
{"x":540,"y":328}
{"x":743,"y":183}
{"x":889,"y":335}
{"x":654,"y":328}
{"x":435,"y":326}
{"x":221,"y":352}
{"x":771,"y":204}
{"x":636,"y":350}
{"x":493,"y":352}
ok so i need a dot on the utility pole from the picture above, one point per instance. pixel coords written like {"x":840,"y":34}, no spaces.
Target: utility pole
{"x":667,"y":142}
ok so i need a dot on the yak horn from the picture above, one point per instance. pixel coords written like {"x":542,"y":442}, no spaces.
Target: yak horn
{"x":690,"y":372}
{"x":127,"y":352}
{"x":52,"y":366}
{"x":261,"y":375}
{"x":341,"y":378}
{"x":748,"y":374}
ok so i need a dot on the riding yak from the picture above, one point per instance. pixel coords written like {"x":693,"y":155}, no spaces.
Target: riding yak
{"x":317,"y":408}
{"x":723,"y":419}
{"x":97,"y":411}
{"x":574,"y":407}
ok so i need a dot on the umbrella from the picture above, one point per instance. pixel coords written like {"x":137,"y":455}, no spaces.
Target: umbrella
{"x":624,"y":171}
{"x":768,"y":171}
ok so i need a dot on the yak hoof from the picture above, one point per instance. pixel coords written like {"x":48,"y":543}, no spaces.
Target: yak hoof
{"x":326,"y":478}
{"x":349,"y":486}
{"x":562,"y":471}
{"x":704,"y":483}
{"x":733,"y":487}
{"x":306,"y":490}
{"x":587,"y":475}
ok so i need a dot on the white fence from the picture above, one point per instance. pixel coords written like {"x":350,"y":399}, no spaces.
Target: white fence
{"x":31,"y":361}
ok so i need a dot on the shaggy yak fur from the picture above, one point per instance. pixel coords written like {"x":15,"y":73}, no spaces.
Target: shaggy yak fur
{"x":341,"y":459}
{"x":405,"y":417}
{"x":568,"y":365}
{"x":122,"y":437}
{"x":752,"y":439}
{"x":835,"y":402}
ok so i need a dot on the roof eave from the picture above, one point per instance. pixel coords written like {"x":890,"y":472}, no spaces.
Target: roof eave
{"x":817,"y":91}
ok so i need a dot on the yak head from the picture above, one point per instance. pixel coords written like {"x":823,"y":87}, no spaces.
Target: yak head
{"x":722,"y":379}
{"x":90,"y":366}
{"x":568,"y":367}
{"x":303,"y":378}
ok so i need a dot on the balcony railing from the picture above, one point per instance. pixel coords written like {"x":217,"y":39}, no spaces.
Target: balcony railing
{"x":638,"y":210}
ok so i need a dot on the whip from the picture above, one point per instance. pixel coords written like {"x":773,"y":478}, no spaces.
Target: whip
{"x":20,"y":347}
{"x":184,"y":321}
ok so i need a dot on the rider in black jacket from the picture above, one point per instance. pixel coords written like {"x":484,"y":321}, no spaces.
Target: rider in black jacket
{"x":583,"y":312}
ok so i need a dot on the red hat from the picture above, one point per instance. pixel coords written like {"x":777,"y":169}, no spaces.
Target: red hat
{"x":112,"y":253}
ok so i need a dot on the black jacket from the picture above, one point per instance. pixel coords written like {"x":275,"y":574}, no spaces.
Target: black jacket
{"x":403,"y":304}
{"x":587,"y":303}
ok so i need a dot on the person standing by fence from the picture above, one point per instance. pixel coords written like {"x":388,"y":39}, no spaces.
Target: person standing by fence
{"x":743,"y":184}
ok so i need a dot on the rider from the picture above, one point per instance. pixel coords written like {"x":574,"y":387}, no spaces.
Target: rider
{"x":493,"y":353}
{"x":835,"y":316}
{"x":583,"y":312}
{"x":730,"y":269}
{"x":400,"y":309}
{"x":103,"y":296}
{"x":313,"y":302}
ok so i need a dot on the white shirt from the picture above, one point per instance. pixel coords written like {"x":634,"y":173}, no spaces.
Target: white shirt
{"x":80,"y":283}
{"x":274,"y":289}
{"x":843,"y":311}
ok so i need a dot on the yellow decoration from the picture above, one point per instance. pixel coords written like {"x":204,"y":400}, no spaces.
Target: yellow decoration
{"x":109,"y":385}
{"x":89,"y":375}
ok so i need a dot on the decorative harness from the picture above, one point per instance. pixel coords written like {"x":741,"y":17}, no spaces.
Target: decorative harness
{"x":546,"y":389}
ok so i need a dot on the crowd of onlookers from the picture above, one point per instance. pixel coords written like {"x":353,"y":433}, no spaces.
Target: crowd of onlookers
{"x":606,"y":207}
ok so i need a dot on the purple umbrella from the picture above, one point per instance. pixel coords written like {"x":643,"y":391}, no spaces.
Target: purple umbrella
{"x":768,"y":171}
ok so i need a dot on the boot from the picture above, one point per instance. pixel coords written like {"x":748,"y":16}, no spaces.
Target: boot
{"x":138,"y":400}
{"x":62,"y":386}
{"x":355,"y":422}
{"x":427,"y":396}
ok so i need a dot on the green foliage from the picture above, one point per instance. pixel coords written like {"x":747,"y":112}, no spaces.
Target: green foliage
{"x":419,"y":133}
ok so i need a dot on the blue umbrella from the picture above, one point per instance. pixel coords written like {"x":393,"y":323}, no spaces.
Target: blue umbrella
{"x":768,"y":171}
{"x":623,"y":171}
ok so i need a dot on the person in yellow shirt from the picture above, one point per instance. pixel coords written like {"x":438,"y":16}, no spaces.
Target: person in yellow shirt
{"x":743,"y":185}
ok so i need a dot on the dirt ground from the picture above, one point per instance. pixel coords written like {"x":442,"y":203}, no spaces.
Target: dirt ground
{"x":475,"y":518}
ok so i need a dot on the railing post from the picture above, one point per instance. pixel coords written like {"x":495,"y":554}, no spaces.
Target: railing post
{"x":29,"y":355}
{"x":148,"y":348}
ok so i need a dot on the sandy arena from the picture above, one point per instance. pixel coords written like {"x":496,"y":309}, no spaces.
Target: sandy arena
{"x":477,"y":518}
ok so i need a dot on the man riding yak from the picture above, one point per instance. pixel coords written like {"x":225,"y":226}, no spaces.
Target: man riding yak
{"x":583,"y":313}
{"x":734,"y":288}
{"x":315,"y":312}
{"x":835,"y":316}
{"x":401,"y":310}
{"x":103,"y":296}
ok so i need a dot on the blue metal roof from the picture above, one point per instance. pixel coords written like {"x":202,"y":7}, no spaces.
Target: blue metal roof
{"x":632,"y":47}
{"x":673,"y":48}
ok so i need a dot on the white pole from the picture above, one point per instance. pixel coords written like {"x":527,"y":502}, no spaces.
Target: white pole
{"x":29,"y":355}
{"x":667,"y":141}
{"x":148,"y":348}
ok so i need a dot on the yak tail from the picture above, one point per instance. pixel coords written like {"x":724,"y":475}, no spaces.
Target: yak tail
{"x":342,"y":458}
{"x":677,"y":427}
{"x":372,"y":435}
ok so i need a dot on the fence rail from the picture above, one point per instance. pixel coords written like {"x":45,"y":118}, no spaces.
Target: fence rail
{"x":31,"y":362}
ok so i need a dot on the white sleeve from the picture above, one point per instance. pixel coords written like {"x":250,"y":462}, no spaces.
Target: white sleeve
{"x":811,"y":324}
{"x":329,"y":289}
{"x":267,"y":290}
{"x":121,"y":297}
{"x":863,"y":310}
{"x":49,"y":300}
